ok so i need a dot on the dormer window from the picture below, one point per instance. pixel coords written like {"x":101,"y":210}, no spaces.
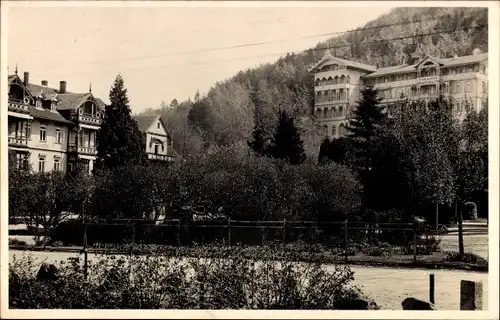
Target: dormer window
{"x":158,"y":125}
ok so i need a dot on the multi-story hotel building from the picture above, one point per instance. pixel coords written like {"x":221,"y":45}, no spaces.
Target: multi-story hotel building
{"x":338,"y":84}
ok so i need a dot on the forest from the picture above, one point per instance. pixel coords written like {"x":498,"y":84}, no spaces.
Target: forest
{"x":228,"y":112}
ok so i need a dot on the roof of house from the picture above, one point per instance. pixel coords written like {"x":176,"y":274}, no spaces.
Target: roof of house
{"x":47,"y":115}
{"x":69,"y":101}
{"x":445,"y":62}
{"x":145,"y":121}
{"x":349,"y":63}
{"x":37,"y":90}
{"x":390,"y":70}
{"x":465,"y":59}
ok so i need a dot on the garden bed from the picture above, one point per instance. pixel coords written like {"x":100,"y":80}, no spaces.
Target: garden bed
{"x":437,"y":260}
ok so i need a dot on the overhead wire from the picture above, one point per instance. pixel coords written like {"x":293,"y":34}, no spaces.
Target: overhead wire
{"x":246,"y":45}
{"x":282,"y":53}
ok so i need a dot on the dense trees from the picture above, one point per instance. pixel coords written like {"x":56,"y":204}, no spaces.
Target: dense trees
{"x":287,"y":143}
{"x":120,"y":142}
{"x":226,"y":112}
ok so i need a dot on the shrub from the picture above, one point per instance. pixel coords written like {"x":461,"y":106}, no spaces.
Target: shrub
{"x":15,"y":241}
{"x":229,"y":281}
{"x":466,"y":257}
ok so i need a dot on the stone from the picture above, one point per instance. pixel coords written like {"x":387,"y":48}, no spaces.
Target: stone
{"x":416,"y":304}
{"x":47,"y":272}
{"x":471,"y":295}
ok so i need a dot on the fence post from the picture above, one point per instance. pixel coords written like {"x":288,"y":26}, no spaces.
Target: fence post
{"x":179,"y":233}
{"x":431,"y":288}
{"x":346,"y":240}
{"x":85,"y":257}
{"x":133,"y":236}
{"x":229,"y":231}
{"x":284,"y":234}
{"x":415,"y":242}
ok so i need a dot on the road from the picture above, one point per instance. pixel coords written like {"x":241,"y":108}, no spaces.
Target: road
{"x":473,"y":243}
{"x":387,"y":286}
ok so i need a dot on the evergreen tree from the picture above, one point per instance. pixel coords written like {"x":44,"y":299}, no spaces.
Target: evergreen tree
{"x":324,"y":151}
{"x":120,"y":142}
{"x":288,"y":144}
{"x":260,"y":142}
{"x":362,"y":129}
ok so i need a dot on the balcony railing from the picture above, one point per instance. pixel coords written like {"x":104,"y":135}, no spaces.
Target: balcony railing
{"x":333,"y":99}
{"x":82,"y":149}
{"x":18,"y":141}
{"x":89,"y":119}
{"x":18,"y":106}
{"x":159,"y":157}
{"x":337,"y":115}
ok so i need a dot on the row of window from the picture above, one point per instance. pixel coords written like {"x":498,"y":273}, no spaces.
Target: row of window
{"x":332,"y":95}
{"x":42,"y":161}
{"x":425,"y":73}
{"x":453,"y":88}
{"x":333,"y":80}
{"x":59,"y":135}
{"x":342,"y":130}
{"x":335,"y":111}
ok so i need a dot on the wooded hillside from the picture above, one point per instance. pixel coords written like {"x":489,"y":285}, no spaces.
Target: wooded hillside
{"x":226,"y":114}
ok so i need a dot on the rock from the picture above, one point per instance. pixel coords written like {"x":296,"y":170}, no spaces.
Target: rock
{"x":47,"y":272}
{"x":416,"y":304}
{"x":358,"y":304}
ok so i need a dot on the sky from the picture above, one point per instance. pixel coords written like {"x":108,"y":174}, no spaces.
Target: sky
{"x":161,"y":51}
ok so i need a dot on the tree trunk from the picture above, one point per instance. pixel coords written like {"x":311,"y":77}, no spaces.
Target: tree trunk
{"x":460,"y":235}
{"x":437,"y":215}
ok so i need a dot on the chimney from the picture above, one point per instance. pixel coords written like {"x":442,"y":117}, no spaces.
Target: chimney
{"x":62,"y":86}
{"x":26,"y":78}
{"x":45,"y":83}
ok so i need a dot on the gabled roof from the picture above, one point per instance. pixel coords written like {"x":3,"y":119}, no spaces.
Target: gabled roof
{"x":12,"y":77}
{"x":443,"y":62}
{"x":145,"y":121}
{"x":429,"y":58}
{"x":15,"y":77}
{"x":390,"y":70}
{"x":47,"y":115}
{"x":328,"y":59}
{"x":465,"y":59}
{"x":70,"y":101}
{"x":67,"y":101}
{"x":37,"y":90}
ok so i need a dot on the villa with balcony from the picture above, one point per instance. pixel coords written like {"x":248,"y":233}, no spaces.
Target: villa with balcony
{"x":52,"y":129}
{"x":464,"y":80}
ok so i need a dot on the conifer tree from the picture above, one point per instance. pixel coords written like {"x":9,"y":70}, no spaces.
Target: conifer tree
{"x":120,"y":142}
{"x":362,"y":129}
{"x":324,"y":150}
{"x":260,"y":142}
{"x":288,"y":144}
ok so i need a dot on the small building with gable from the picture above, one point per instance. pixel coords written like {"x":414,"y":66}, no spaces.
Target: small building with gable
{"x":158,"y":140}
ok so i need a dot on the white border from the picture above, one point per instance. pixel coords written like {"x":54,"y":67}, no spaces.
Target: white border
{"x":493,"y":50}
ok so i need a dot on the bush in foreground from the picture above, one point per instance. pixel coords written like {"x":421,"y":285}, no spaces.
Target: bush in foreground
{"x":155,"y":281}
